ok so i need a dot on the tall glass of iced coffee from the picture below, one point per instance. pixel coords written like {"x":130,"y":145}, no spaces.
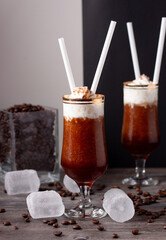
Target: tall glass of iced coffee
{"x":140,"y":129}
{"x":84,"y":156}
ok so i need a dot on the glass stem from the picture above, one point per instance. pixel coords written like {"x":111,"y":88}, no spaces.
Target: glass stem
{"x":85,"y":201}
{"x":140,"y":172}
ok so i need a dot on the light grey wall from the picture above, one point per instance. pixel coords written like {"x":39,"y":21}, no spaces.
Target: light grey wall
{"x":31,"y":66}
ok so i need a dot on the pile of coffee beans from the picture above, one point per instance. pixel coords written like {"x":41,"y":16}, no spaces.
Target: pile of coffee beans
{"x":32,"y":131}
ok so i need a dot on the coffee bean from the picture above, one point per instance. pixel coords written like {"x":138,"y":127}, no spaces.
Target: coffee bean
{"x":65,"y":223}
{"x":135,"y":231}
{"x":139,"y":192}
{"x":76,"y":194}
{"x":72,"y":197}
{"x":6,"y":223}
{"x":100,"y":228}
{"x":164,"y":227}
{"x":45,"y":220}
{"x":55,"y":225}
{"x":64,"y":194}
{"x":72,"y":221}
{"x":130,"y":187}
{"x":115,"y":235}
{"x":51,"y":222}
{"x":57,"y":233}
{"x":77,"y":227}
{"x":25,"y":215}
{"x":2,"y":210}
{"x":150,"y":220}
{"x":15,"y":228}
{"x":27,"y":219}
{"x":95,"y":221}
{"x":145,"y":194}
{"x":115,"y":186}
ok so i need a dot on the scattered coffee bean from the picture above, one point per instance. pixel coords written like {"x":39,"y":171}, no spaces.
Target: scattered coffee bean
{"x":115,"y":235}
{"x":130,"y":187}
{"x":51,"y":222}
{"x":95,"y":221}
{"x":15,"y":228}
{"x":72,"y":197}
{"x":55,"y":225}
{"x":2,"y":210}
{"x":164,"y":227}
{"x":25,"y":215}
{"x":145,"y":194}
{"x":150,"y":220}
{"x":6,"y":223}
{"x":77,"y":227}
{"x":57,"y":233}
{"x":135,"y":231}
{"x":115,"y":186}
{"x":76,"y":194}
{"x":139,"y":192}
{"x":45,"y":220}
{"x":162,"y":193}
{"x":27,"y":219}
{"x":100,"y":228}
{"x":65,"y":223}
{"x":64,"y":194}
{"x":72,"y":221}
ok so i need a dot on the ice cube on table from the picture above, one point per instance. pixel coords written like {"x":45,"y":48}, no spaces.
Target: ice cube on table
{"x":70,"y":184}
{"x":21,"y":181}
{"x":45,"y":204}
{"x":118,"y":205}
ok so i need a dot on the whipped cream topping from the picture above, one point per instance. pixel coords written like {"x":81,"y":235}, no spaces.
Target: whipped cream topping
{"x":91,"y":111}
{"x":82,"y":93}
{"x":142,"y":80}
{"x":141,"y":91}
{"x":76,"y":109}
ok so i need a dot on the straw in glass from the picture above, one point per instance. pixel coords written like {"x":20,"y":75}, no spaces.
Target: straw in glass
{"x":103,"y":56}
{"x":133,"y":50}
{"x":66,"y":63}
{"x":159,"y":51}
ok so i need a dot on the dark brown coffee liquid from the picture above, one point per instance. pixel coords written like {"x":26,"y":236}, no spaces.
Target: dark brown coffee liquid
{"x":140,"y":130}
{"x":84,"y":156}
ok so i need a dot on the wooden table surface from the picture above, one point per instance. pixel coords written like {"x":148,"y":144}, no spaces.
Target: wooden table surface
{"x":36,"y":229}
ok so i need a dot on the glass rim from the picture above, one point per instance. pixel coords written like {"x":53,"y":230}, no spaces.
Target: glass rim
{"x":145,"y":87}
{"x":98,"y":98}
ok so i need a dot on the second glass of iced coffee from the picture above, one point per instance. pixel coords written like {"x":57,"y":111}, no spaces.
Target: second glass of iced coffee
{"x":140,"y":129}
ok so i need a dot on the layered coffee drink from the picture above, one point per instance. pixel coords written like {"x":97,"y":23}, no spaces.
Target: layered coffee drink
{"x":140,"y":129}
{"x":84,"y":156}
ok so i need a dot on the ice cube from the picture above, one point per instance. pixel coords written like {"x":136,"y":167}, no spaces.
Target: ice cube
{"x":70,"y":184}
{"x":45,"y":204}
{"x":21,"y":181}
{"x":118,"y":205}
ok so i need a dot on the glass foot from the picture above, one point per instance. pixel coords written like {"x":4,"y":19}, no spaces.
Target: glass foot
{"x":148,"y":181}
{"x":86,"y":213}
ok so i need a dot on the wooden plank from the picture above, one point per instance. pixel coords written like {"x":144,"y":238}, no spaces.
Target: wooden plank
{"x":16,"y":205}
